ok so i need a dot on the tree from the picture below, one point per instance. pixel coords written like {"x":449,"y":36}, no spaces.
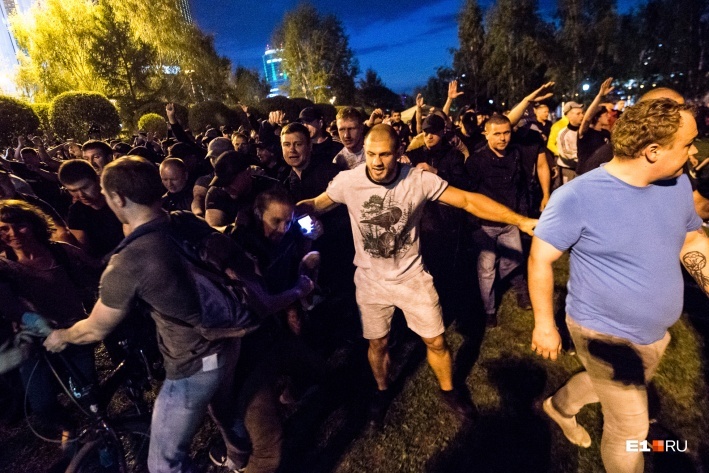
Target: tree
{"x":153,"y":123}
{"x":249,"y":86}
{"x":435,"y":92}
{"x":123,"y":60}
{"x":372,"y":92}
{"x":132,"y":51}
{"x":16,"y":118}
{"x":516,"y":63}
{"x":316,"y":55}
{"x":72,"y":113}
{"x":587,"y":42}
{"x":213,"y":114}
{"x":468,"y":60}
{"x":673,"y":45}
{"x":57,"y":39}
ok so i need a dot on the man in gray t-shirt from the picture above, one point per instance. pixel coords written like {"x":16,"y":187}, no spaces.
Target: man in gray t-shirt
{"x":385,"y":202}
{"x":147,"y":268}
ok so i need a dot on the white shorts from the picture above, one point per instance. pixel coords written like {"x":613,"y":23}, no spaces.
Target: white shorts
{"x":416,"y":297}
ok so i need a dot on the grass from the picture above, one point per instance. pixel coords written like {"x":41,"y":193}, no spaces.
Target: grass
{"x":328,"y":433}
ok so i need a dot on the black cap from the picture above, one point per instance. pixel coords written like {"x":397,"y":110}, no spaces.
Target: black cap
{"x":309,"y":115}
{"x":227,"y":167}
{"x":433,"y":124}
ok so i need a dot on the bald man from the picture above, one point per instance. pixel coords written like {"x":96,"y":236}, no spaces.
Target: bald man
{"x":385,"y":200}
{"x":174,"y":177}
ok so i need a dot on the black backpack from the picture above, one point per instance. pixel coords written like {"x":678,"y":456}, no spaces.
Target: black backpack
{"x":223,"y":301}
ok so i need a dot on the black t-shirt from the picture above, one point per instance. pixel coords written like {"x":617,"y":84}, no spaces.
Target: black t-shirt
{"x":602,"y":155}
{"x":103,"y":229}
{"x":499,"y":178}
{"x":179,"y":201}
{"x":589,"y":143}
{"x":326,"y":150}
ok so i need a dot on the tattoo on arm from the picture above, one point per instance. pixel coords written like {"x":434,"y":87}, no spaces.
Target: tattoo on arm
{"x":695,"y":262}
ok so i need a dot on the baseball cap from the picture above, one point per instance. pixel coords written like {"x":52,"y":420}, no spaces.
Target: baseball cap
{"x":227,"y":167}
{"x":569,"y":105}
{"x":309,"y":115}
{"x":218,"y":146}
{"x":433,"y":124}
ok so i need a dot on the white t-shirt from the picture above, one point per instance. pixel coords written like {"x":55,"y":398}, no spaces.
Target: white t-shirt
{"x":385,"y":218}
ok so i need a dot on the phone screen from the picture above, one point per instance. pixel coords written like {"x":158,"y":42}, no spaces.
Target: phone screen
{"x":306,"y":223}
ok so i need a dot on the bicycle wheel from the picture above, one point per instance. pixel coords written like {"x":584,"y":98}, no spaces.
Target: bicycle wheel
{"x":121,"y":450}
{"x":103,"y":455}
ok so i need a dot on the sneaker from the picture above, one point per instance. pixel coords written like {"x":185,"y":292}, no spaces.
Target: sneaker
{"x":218,"y":455}
{"x":575,"y":433}
{"x":378,"y":408}
{"x":459,"y":402}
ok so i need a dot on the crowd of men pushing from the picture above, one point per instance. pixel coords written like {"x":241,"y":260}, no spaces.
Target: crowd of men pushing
{"x":392,"y":184}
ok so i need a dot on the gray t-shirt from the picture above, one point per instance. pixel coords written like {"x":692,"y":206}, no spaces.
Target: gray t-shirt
{"x":150,"y":270}
{"x":385,"y":218}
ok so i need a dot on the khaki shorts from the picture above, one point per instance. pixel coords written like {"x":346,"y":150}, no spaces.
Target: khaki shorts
{"x":416,"y":297}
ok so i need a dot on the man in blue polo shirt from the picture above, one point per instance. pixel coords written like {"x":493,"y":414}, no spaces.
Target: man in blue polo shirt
{"x":625,"y":224}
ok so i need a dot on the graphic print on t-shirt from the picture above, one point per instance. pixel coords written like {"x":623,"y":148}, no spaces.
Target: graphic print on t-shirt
{"x":386,"y":231}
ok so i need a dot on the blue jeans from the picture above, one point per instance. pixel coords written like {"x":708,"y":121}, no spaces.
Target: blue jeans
{"x":497,"y":244}
{"x":180,"y":408}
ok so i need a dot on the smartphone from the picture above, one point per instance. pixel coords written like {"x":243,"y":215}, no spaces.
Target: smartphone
{"x":306,"y":223}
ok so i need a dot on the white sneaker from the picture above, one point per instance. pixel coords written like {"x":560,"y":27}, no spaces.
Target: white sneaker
{"x":575,"y":433}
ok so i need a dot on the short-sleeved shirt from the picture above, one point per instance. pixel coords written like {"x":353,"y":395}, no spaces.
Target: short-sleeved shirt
{"x":103,"y":229}
{"x":385,"y":218}
{"x":150,"y":270}
{"x":625,"y":277}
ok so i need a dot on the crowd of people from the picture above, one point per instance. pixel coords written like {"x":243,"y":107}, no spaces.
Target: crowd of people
{"x":82,"y":244}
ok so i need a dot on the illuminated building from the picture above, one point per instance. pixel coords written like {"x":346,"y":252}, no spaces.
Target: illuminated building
{"x":275,"y":75}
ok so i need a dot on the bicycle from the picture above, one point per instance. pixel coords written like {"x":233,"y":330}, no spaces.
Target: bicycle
{"x":110,"y":443}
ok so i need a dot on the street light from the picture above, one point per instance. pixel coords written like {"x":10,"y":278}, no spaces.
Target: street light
{"x":585,"y":87}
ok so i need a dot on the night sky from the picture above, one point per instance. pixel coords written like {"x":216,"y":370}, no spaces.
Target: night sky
{"x":403,"y":41}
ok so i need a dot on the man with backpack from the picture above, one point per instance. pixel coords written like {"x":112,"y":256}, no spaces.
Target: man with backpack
{"x":149,"y":268}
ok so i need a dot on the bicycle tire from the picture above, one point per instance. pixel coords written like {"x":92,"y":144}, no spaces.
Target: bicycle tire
{"x":99,"y":456}
{"x":125,"y":453}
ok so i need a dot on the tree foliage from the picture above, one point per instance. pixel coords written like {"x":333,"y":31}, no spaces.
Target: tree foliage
{"x":515,"y":61}
{"x":16,"y":118}
{"x":513,"y":50}
{"x":213,"y":114}
{"x":249,"y":87}
{"x":316,"y":55}
{"x":153,"y":123}
{"x":132,"y":51}
{"x":372,"y":92}
{"x":72,"y":113}
{"x":468,"y":60}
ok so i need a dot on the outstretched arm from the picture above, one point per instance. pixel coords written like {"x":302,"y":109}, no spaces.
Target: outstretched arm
{"x":486,"y":208}
{"x":316,"y":206}
{"x":605,"y":89}
{"x":546,"y":341}
{"x":542,"y":93}
{"x":694,"y":255}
